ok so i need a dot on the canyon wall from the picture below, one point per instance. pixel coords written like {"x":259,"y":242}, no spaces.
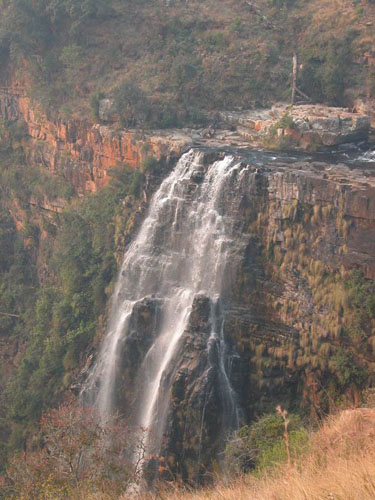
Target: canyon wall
{"x":83,"y":153}
{"x":295,"y":329}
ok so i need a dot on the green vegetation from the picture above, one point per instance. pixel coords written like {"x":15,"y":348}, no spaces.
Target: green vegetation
{"x":57,"y":303}
{"x":347,"y":370}
{"x":261,"y":445}
{"x":95,"y":99}
{"x":68,"y":306}
{"x":280,"y":142}
{"x":286,"y":121}
{"x":325,"y":72}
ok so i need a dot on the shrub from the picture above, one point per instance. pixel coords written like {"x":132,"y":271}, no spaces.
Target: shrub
{"x":95,"y":99}
{"x":150,"y":165}
{"x":325,"y":70}
{"x":71,"y":56}
{"x":282,"y":3}
{"x":132,"y":104}
{"x":286,"y":121}
{"x":347,"y":370}
{"x":261,"y":444}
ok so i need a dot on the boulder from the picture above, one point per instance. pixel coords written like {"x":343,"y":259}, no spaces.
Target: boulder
{"x":108,"y":111}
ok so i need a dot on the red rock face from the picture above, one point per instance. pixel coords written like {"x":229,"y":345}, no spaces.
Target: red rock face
{"x":83,"y":153}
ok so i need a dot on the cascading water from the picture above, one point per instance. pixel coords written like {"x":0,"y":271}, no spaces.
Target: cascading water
{"x":186,"y":246}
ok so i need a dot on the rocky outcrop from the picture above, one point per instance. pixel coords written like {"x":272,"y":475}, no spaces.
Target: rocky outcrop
{"x":143,"y":326}
{"x":308,"y":126}
{"x":366,"y":107}
{"x":83,"y":154}
{"x":9,"y":109}
{"x":108,"y":111}
{"x":191,"y":442}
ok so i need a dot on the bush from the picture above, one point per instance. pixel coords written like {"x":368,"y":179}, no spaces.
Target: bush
{"x":324,"y":71}
{"x":132,"y":105}
{"x":347,"y":370}
{"x":95,"y":99}
{"x":150,"y":165}
{"x":282,"y":3}
{"x":261,"y":444}
{"x":286,"y":121}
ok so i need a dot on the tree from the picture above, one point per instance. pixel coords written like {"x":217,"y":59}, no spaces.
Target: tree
{"x":77,"y":453}
{"x":132,"y":104}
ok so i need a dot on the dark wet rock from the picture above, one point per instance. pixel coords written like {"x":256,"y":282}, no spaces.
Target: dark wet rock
{"x":199,"y":319}
{"x":143,"y":326}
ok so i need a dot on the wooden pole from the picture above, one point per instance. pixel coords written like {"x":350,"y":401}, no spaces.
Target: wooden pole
{"x":295,"y":75}
{"x":10,"y":315}
{"x":302,"y":94}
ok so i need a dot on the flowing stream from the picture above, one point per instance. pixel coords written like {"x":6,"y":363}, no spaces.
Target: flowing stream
{"x":185,"y":247}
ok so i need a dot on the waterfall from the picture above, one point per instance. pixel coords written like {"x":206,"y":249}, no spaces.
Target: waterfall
{"x":187,"y":245}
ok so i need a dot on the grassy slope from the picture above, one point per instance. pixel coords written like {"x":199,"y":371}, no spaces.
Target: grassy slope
{"x":339,"y":465}
{"x":207,"y":53}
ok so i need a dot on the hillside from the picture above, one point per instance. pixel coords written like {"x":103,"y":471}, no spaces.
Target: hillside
{"x":185,"y":58}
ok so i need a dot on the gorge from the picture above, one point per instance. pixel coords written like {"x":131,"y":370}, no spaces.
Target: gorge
{"x":246,"y":281}
{"x":187,"y":242}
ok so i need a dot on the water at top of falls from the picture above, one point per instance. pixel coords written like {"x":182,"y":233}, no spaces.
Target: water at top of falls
{"x":183,"y":248}
{"x":366,"y":157}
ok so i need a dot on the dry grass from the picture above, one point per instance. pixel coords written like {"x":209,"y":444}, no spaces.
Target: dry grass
{"x":339,"y":466}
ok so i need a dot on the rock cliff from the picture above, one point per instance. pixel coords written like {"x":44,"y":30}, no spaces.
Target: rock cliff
{"x":295,"y":332}
{"x":83,"y":153}
{"x":309,"y":127}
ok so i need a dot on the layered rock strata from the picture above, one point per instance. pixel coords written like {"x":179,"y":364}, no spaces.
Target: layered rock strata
{"x":82,"y":153}
{"x":288,"y":317}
